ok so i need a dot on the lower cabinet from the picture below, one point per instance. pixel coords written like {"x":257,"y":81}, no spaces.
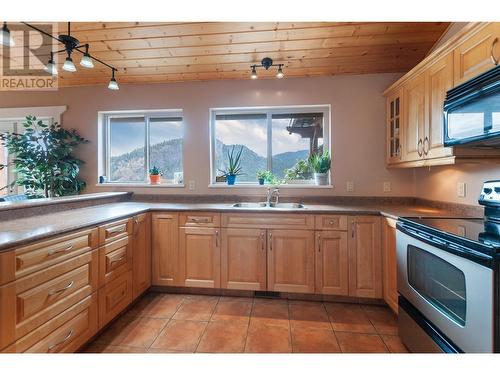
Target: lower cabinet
{"x":332,"y":263}
{"x":114,"y":297}
{"x":199,"y":257}
{"x":365,"y":257}
{"x":141,"y":254}
{"x":390,"y":263}
{"x":290,"y":261}
{"x":165,"y":248}
{"x":243,"y":259}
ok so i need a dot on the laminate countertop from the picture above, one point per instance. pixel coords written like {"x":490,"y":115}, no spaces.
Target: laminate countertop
{"x":18,"y":232}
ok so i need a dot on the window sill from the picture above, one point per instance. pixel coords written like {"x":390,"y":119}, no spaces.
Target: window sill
{"x":139,"y":185}
{"x":283,"y":186}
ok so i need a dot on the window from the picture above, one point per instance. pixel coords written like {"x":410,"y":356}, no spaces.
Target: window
{"x":136,"y":142}
{"x":276,"y":139}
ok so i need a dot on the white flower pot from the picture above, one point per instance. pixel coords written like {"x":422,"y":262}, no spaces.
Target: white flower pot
{"x":321,"y":178}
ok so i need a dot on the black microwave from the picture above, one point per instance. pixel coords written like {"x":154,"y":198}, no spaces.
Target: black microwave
{"x":472,"y":112}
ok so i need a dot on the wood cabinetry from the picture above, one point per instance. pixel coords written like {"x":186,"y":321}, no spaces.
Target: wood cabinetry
{"x":290,"y":261}
{"x":332,"y":263}
{"x":142,"y":254}
{"x":199,"y":257}
{"x":243,"y":259}
{"x":365,"y":257}
{"x":394,"y":113}
{"x":165,"y":248}
{"x":114,"y":297}
{"x":414,"y":117}
{"x":390,"y":263}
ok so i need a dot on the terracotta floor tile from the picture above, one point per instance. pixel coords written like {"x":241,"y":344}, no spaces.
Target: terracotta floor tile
{"x":138,"y":332}
{"x":223,"y":337}
{"x":382,"y":318}
{"x":106,"y":348}
{"x":235,"y":299}
{"x":309,"y":315}
{"x":349,"y":318}
{"x":307,"y":340}
{"x":268,"y":339}
{"x":180,"y":335}
{"x":157,"y":306}
{"x":196,"y":309}
{"x":273,"y":313}
{"x":234,"y":311}
{"x":203,"y":297}
{"x":114,"y":333}
{"x":360,"y":343}
{"x":165,"y":351}
{"x":394,"y":344}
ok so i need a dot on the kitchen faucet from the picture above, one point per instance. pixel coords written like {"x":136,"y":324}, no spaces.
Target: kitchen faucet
{"x":270,"y":194}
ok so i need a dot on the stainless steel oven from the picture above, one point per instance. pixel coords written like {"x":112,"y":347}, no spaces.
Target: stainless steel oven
{"x":447,"y":296}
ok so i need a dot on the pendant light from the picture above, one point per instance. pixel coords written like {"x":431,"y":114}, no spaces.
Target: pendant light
{"x":113,"y":85}
{"x":280,"y":73}
{"x":86,"y":60}
{"x":5,"y":37}
{"x":69,"y":66}
{"x":51,"y":66}
{"x":267,"y":63}
{"x":254,"y":73}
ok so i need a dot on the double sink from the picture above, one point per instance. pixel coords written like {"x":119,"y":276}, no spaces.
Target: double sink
{"x":266,"y":205}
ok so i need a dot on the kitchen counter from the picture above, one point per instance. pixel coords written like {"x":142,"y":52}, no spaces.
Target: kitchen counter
{"x":22,"y":231}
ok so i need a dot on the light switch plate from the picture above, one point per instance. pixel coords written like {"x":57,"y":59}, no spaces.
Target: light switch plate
{"x":461,"y":190}
{"x":387,"y":186}
{"x":349,"y":186}
{"x":191,"y":185}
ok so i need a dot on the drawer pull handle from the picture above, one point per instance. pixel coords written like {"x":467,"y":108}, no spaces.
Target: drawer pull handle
{"x":116,"y":231}
{"x":216,"y":238}
{"x":492,"y":52}
{"x":332,"y":222}
{"x":52,"y":292}
{"x":199,"y":220}
{"x":61,"y":250}
{"x":262,"y":241}
{"x":270,"y":241}
{"x":117,"y":260}
{"x":319,"y":243}
{"x":68,"y":336}
{"x":136,"y":226}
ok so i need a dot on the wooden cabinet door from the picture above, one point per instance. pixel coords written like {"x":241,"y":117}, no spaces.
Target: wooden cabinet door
{"x":394,"y":120}
{"x":142,"y":254}
{"x":390,"y":264}
{"x":474,"y":56}
{"x":332,"y":263}
{"x":414,"y":118}
{"x":290,"y":261}
{"x":199,"y":257}
{"x":165,"y":248}
{"x":243,"y":259}
{"x":440,"y":80}
{"x":365,"y":258}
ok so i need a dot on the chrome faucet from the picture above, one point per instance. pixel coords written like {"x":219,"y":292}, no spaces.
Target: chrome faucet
{"x":270,"y":194}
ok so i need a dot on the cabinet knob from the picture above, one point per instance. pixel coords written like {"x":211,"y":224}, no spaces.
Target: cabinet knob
{"x":492,"y":52}
{"x":420,"y":148}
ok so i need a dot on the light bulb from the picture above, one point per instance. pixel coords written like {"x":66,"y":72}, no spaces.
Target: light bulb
{"x":51,"y":67}
{"x":5,"y":37}
{"x":68,"y":65}
{"x":280,"y":73}
{"x":254,"y":73}
{"x":86,"y":61}
{"x":113,"y":85}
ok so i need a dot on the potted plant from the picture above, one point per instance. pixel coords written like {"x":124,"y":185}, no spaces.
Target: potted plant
{"x":264,"y":176}
{"x":234,"y":165}
{"x":154,"y":175}
{"x":300,"y":173}
{"x":321,"y":165}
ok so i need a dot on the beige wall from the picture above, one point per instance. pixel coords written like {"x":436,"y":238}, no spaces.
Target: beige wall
{"x":357,"y":115}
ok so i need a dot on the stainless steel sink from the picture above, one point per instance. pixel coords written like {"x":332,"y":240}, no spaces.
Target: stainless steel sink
{"x":286,"y":205}
{"x":250,"y":204}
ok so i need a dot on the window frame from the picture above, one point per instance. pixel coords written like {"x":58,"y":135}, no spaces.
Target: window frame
{"x":269,"y":111}
{"x":106,"y":142}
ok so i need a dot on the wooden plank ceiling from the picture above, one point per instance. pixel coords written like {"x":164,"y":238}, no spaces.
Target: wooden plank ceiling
{"x":173,"y":52}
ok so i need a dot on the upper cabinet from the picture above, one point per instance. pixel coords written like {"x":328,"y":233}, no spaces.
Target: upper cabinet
{"x":415,"y":118}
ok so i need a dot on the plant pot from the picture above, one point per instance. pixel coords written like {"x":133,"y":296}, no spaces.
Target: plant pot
{"x":154,"y":179}
{"x":321,"y":178}
{"x":261,"y":181}
{"x":231,"y":179}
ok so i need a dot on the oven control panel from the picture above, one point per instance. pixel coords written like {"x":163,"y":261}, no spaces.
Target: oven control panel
{"x":490,"y":194}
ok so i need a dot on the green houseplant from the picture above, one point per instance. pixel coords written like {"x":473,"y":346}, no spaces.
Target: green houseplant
{"x":264,"y":176}
{"x":234,"y":165}
{"x":43,"y":159}
{"x":321,"y":165}
{"x":155,"y":175}
{"x":301,"y":172}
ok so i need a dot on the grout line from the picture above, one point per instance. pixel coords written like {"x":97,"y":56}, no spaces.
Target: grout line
{"x":206,"y":326}
{"x":290,"y":327}
{"x":248,"y":326}
{"x":331,"y":326}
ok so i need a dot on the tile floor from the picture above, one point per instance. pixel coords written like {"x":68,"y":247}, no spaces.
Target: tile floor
{"x":175,"y":323}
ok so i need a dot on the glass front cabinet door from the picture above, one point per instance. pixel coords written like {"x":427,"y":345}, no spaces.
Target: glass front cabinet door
{"x":394,"y":119}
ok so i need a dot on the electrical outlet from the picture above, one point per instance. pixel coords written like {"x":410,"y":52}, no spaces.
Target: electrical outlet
{"x":191,"y":185}
{"x":461,"y":190}
{"x":349,"y":186}
{"x":387,"y":186}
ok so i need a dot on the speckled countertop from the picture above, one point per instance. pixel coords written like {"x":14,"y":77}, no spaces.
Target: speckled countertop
{"x":22,"y":231}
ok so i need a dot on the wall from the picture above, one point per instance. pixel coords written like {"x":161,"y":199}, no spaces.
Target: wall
{"x":357,"y":115}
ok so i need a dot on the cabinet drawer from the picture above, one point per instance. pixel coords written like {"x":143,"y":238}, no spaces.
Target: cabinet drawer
{"x":114,"y":297}
{"x":271,"y":221}
{"x":114,"y":259}
{"x":32,"y":258}
{"x":67,"y":332}
{"x":114,"y":231}
{"x":199,"y":219}
{"x":331,"y":222}
{"x":29,"y":302}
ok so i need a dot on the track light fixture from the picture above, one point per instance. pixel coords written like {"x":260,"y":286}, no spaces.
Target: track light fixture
{"x":5,"y":37}
{"x":71,"y":44}
{"x":266,"y":63}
